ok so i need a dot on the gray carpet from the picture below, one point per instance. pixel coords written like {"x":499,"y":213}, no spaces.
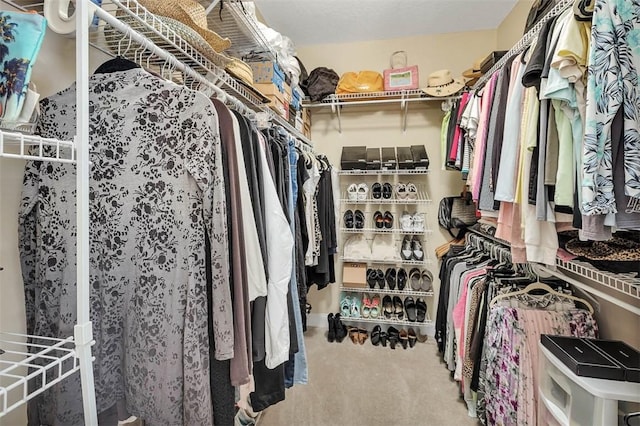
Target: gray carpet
{"x":368,"y":385}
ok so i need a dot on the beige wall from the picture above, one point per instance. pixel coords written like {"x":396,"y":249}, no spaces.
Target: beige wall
{"x":381,"y":126}
{"x":512,"y":27}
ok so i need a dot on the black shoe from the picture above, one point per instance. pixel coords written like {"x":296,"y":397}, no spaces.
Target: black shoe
{"x":401,"y":278}
{"x":358,"y":219}
{"x":387,"y":307}
{"x":340,"y":328}
{"x":372,"y":275}
{"x":421,"y":310}
{"x":387,"y":190}
{"x":390,"y":277}
{"x":388,"y":220}
{"x":375,"y":335}
{"x":394,"y":336}
{"x":380,"y":278}
{"x":398,"y":308}
{"x":376,"y":190}
{"x":378,"y":220}
{"x":348,"y":219}
{"x":410,"y":309}
{"x":331,"y":336}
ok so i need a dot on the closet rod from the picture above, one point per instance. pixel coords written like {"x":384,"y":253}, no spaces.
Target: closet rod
{"x":525,"y":41}
{"x":163,"y":54}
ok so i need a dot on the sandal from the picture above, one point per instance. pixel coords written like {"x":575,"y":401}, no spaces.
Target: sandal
{"x":390,"y":277}
{"x":398,"y":308}
{"x":421,"y":310}
{"x":348,"y":219}
{"x":375,"y":335}
{"x":358,"y":219}
{"x":345,"y":306}
{"x":371,"y":278}
{"x":414,"y":278}
{"x":412,"y":191}
{"x":393,"y":336}
{"x":427,"y":280}
{"x":387,"y":190}
{"x":410,"y":309}
{"x":352,"y":192}
{"x":401,"y":278}
{"x":380,"y":278}
{"x":378,"y":219}
{"x":404,"y":338}
{"x":354,"y":335}
{"x":375,"y":306}
{"x":363,"y":191}
{"x":362,"y":335}
{"x":388,"y":220}
{"x":387,"y":307}
{"x":356,"y":307}
{"x":366,"y":306}
{"x":376,"y":190}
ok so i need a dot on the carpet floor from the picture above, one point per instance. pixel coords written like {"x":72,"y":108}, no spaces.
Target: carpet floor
{"x":370,"y":385}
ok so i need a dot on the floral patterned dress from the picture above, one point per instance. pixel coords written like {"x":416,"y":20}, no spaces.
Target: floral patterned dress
{"x":156,"y":191}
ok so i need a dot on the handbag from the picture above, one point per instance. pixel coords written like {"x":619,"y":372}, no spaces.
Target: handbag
{"x":321,"y":83}
{"x":457,"y":213}
{"x":400,"y":76}
{"x":360,"y":82}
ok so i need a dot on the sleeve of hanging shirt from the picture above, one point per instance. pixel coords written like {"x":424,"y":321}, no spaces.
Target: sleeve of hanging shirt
{"x":279,"y":266}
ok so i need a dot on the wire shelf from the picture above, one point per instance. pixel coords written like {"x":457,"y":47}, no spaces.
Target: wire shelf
{"x":422,"y":198}
{"x":375,"y":98}
{"x":30,"y":364}
{"x":383,"y":172}
{"x":628,"y":284}
{"x":31,"y":147}
{"x":384,"y":231}
{"x":405,"y":292}
{"x":387,"y":261}
{"x":382,"y":320}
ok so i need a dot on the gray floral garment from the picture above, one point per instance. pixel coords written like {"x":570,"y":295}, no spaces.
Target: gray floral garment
{"x":156,"y":189}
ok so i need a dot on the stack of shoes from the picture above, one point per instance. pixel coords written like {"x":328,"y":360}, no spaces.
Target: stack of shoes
{"x":337,"y":330}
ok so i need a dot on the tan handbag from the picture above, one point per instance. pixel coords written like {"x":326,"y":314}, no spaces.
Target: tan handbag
{"x":360,"y":82}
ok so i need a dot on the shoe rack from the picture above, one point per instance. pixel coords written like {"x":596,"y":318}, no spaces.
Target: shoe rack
{"x":359,"y":193}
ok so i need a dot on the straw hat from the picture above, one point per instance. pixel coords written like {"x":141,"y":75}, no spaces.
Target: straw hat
{"x":161,"y":24}
{"x":474,"y":71}
{"x":441,"y":83}
{"x":191,"y":13}
{"x":240,"y":70}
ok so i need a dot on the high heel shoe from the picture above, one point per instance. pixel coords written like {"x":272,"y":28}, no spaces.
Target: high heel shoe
{"x":394,"y":336}
{"x":401,"y":278}
{"x":390,"y":277}
{"x":412,"y":337}
{"x":404,"y":338}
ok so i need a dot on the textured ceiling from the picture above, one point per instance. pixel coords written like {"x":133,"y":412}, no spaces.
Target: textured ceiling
{"x":339,"y":21}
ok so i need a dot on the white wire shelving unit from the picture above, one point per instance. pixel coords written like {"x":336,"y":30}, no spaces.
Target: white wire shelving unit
{"x":384,"y":231}
{"x":403,"y":98}
{"x":387,"y":261}
{"x":405,"y":292}
{"x":382,"y":320}
{"x":383,"y":172}
{"x":29,"y":365}
{"x":422,"y":198}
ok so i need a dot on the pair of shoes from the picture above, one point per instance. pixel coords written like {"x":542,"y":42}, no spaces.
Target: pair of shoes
{"x":420,"y":280}
{"x":411,"y":249}
{"x":358,"y":335}
{"x":383,"y":220}
{"x":350,"y":306}
{"x":396,"y":278}
{"x":378,"y":337}
{"x":407,"y":338}
{"x":379,"y":190}
{"x":375,"y":276}
{"x":353,"y":219}
{"x":337,"y":330}
{"x":370,"y":306}
{"x":406,"y":192}
{"x":357,"y":193}
{"x":412,"y":222}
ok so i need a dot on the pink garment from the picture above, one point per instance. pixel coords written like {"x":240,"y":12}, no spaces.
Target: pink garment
{"x":453,"y":154}
{"x":509,"y":229}
{"x":481,"y":139}
{"x":459,"y":311}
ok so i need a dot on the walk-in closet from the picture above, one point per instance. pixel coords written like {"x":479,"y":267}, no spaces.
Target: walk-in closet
{"x":236,"y":213}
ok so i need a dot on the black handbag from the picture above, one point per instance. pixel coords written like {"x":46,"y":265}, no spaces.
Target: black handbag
{"x":457,"y":213}
{"x":321,"y":83}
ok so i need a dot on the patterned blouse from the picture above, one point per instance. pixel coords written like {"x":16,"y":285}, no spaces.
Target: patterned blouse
{"x":156,"y":192}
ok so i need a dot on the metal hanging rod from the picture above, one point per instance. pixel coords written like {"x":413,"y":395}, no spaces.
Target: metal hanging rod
{"x":525,"y":41}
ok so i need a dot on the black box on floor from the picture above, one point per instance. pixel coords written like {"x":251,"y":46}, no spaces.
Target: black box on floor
{"x":582,"y":358}
{"x":623,"y":354}
{"x":373,"y":159}
{"x":389,"y":160}
{"x":420,"y":157}
{"x":354,"y":158}
{"x":405,"y":159}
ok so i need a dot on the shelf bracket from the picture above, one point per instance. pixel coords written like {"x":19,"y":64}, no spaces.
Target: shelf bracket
{"x":213,"y":4}
{"x":404,"y":108}
{"x":335,"y":109}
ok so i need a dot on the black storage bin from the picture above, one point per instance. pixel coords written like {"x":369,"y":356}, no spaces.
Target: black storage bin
{"x":582,"y":358}
{"x":405,"y":159}
{"x":490,"y":60}
{"x":623,"y":354}
{"x":420,"y":157}
{"x":373,"y":159}
{"x":389,"y":160}
{"x":354,"y":158}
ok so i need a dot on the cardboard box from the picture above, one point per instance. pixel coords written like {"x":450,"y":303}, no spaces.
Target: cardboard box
{"x":354,"y":274}
{"x":270,"y":90}
{"x":267,"y":72}
{"x":299,"y":123}
{"x":287,"y":94}
{"x":279,"y":107}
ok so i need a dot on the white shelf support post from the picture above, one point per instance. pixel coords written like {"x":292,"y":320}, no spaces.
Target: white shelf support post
{"x":404,"y":108}
{"x":83,"y":335}
{"x":335,"y":108}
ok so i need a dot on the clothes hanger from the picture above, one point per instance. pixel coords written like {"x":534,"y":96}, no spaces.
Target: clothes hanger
{"x":541,"y":286}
